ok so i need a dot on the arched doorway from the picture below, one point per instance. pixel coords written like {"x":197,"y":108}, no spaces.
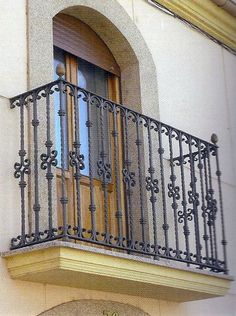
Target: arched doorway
{"x":94,"y":308}
{"x":118,"y":31}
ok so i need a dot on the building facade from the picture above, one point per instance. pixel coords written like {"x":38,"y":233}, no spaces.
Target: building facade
{"x":116,"y":199}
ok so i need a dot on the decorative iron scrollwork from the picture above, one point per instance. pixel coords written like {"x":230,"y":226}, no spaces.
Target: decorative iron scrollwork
{"x":129,"y":178}
{"x":49,"y":159}
{"x":104,"y":170}
{"x":185,"y":215}
{"x":173,"y":191}
{"x":193,"y":198}
{"x":152,"y":185}
{"x":107,"y":238}
{"x":180,"y":160}
{"x":211,"y":208}
{"x":76,"y":160}
{"x":22,"y":168}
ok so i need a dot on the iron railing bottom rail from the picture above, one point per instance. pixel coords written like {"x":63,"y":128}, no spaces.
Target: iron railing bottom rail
{"x":217,"y":266}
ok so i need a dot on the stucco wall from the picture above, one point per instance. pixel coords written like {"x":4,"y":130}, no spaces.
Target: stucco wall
{"x":13,"y":49}
{"x":197,"y":93}
{"x":13,"y":65}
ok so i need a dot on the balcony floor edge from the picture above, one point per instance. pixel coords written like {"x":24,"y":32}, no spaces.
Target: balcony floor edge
{"x":75,"y":265}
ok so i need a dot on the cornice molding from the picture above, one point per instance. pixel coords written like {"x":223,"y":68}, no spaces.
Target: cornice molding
{"x":207,"y":16}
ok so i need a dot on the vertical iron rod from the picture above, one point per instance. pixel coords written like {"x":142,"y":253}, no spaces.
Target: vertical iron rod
{"x":174,"y":194}
{"x":213,"y":206}
{"x":129,"y":182}
{"x":223,"y":242}
{"x":36,"y":207}
{"x":119,"y":214}
{"x":165,"y":225}
{"x":184,"y":201}
{"x":63,"y":117}
{"x":79,"y":162}
{"x":207,"y":205}
{"x":49,"y":174}
{"x":194,"y":200}
{"x":153,"y":187}
{"x":140,"y":172}
{"x":92,"y":206}
{"x":104,"y":169}
{"x":22,"y":182}
{"x":200,"y":167}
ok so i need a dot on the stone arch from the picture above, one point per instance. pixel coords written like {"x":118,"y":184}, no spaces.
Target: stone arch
{"x":112,"y":23}
{"x":94,"y":308}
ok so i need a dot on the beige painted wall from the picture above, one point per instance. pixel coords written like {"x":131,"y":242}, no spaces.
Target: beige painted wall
{"x":13,"y":65}
{"x":201,"y":84}
{"x":13,"y":49}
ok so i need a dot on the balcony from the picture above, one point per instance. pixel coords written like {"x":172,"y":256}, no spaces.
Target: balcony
{"x":114,"y":194}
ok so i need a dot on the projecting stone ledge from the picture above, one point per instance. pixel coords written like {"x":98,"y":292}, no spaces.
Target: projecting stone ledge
{"x":76,"y":265}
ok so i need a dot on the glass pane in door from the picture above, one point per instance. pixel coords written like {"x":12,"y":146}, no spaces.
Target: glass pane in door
{"x":94,"y":79}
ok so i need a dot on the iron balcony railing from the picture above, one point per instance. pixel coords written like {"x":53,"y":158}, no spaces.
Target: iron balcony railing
{"x":99,"y":172}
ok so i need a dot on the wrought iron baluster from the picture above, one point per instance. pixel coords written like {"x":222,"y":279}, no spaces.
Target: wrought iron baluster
{"x":104,"y":170}
{"x":173,"y":193}
{"x":25,"y":164}
{"x":129,"y":180}
{"x":214,"y":140}
{"x":206,"y":212}
{"x":194,"y":199}
{"x":22,"y":168}
{"x":36,"y":206}
{"x":165,"y":225}
{"x":92,"y":206}
{"x":212,"y":207}
{"x":119,"y":213}
{"x":184,"y":216}
{"x":48,"y":160}
{"x":63,"y":119}
{"x":77,"y":162}
{"x":201,"y":156}
{"x":143,"y":221}
{"x":152,"y":185}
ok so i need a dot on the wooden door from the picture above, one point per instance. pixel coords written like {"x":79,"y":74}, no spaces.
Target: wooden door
{"x":89,"y":76}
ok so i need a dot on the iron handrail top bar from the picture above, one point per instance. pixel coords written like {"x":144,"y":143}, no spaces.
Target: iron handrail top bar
{"x":125,"y":107}
{"x":195,"y":153}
